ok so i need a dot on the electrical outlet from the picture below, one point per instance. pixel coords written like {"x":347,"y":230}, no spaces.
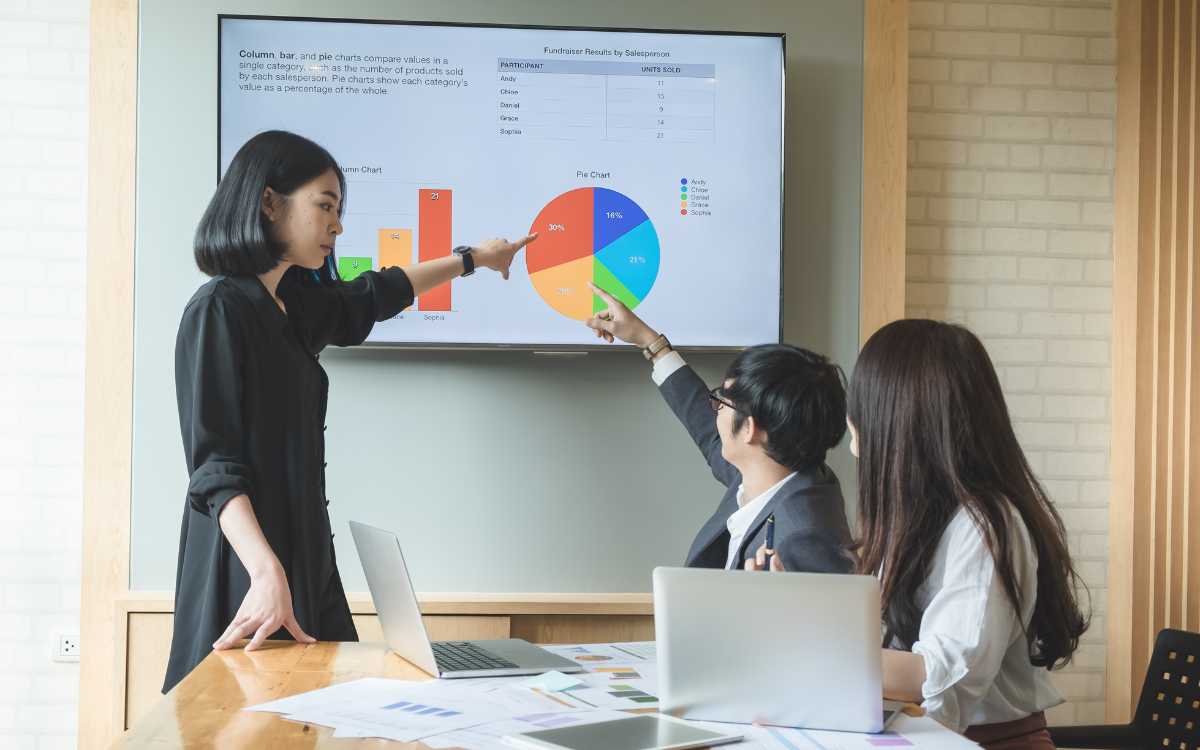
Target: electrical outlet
{"x":66,"y":647}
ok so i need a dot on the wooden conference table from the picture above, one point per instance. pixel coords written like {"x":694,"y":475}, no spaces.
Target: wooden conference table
{"x":205,"y":709}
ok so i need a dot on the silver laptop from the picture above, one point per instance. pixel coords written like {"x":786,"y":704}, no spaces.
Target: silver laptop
{"x":789,"y":649}
{"x":400,"y":616}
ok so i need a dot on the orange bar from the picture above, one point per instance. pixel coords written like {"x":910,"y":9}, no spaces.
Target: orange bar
{"x":433,"y":227}
{"x":395,"y":248}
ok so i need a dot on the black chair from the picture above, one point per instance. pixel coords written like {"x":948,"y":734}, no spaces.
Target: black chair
{"x":1168,"y":711}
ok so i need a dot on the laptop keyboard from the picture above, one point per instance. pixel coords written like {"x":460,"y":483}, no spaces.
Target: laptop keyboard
{"x":462,"y":656}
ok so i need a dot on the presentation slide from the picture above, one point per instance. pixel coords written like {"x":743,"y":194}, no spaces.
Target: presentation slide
{"x":649,"y":164}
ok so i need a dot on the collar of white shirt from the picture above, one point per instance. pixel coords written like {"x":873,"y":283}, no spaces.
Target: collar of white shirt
{"x":740,"y":520}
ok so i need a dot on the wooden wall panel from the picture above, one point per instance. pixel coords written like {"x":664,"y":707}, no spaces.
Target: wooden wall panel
{"x":885,"y":164}
{"x":1154,"y":562}
{"x":149,"y":641}
{"x":441,"y":627}
{"x":583,"y":628}
{"x":108,"y":372}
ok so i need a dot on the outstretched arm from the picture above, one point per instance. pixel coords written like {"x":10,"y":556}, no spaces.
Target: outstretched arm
{"x":494,"y":254}
{"x":344,"y":314}
{"x":679,"y":384}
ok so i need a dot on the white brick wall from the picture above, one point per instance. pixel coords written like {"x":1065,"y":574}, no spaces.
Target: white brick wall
{"x":1009,"y":231}
{"x":43,"y":178}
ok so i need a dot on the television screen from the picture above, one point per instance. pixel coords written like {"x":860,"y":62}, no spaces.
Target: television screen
{"x":648,"y":162}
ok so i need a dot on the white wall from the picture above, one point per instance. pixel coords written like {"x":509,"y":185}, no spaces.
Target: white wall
{"x":1011,"y":110}
{"x":43,"y":184}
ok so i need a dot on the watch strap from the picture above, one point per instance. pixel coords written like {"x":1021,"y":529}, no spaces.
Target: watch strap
{"x":656,"y":347}
{"x":467,"y":258}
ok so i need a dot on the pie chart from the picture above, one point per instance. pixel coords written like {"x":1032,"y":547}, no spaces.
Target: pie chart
{"x":592,"y":234}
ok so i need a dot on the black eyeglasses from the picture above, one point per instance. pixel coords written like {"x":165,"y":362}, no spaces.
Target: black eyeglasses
{"x":716,"y":402}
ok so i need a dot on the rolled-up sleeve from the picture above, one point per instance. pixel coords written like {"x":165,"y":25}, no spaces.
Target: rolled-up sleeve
{"x":966,"y":630}
{"x":209,"y":356}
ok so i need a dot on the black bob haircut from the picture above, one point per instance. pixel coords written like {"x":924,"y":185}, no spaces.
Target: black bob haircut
{"x":796,"y":396}
{"x":232,"y":237}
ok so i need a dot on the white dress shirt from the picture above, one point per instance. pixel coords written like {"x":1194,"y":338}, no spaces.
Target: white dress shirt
{"x":665,"y":366}
{"x":739,"y":521}
{"x":977,"y":668}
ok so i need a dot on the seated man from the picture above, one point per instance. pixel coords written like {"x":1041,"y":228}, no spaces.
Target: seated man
{"x":764,"y":432}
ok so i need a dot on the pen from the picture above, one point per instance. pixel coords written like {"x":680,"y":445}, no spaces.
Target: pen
{"x":770,"y":539}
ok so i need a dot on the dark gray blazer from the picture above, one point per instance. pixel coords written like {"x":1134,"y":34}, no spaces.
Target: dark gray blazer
{"x":809,"y":506}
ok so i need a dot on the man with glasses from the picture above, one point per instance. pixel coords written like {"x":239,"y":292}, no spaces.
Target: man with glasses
{"x":764,"y":432}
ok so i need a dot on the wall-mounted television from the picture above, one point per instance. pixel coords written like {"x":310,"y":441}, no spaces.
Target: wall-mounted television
{"x":649,"y":162}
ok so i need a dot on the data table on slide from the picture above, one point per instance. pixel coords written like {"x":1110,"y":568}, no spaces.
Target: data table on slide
{"x":608,"y":101}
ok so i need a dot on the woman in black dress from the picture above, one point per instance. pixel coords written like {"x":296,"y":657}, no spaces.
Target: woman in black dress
{"x":256,"y":555}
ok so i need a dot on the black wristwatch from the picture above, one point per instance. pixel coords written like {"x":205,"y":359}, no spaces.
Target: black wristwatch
{"x":468,"y":259}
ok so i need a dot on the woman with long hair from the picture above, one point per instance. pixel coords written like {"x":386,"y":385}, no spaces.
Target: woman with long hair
{"x":256,"y":555}
{"x":978,"y":592}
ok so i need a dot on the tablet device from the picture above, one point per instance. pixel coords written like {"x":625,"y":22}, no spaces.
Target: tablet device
{"x":645,"y":732}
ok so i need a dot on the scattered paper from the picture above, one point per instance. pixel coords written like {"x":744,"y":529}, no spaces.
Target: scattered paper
{"x":476,"y":714}
{"x":490,"y":736}
{"x":396,"y":709}
{"x":315,"y":699}
{"x":904,"y":733}
{"x":587,"y":696}
{"x":589,"y":655}
{"x":552,"y":682}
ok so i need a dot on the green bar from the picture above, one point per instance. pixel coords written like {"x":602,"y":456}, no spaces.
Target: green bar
{"x":350,"y":266}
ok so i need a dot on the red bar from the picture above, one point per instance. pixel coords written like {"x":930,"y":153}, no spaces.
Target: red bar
{"x":433,"y":241}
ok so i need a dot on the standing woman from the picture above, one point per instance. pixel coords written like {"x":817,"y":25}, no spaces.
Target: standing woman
{"x":256,"y":556}
{"x":977,"y":584}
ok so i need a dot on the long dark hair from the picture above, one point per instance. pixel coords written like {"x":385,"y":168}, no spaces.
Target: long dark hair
{"x":934,"y":436}
{"x":232,"y":237}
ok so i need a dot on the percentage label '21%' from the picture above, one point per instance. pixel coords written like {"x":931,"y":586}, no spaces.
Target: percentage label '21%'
{"x":635,"y":259}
